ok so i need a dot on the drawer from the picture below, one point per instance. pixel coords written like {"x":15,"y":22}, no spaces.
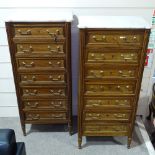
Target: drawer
{"x":112,"y":56}
{"x":110,"y":89}
{"x":107,"y":103}
{"x":45,"y":105}
{"x":99,"y":72}
{"x":107,"y":116}
{"x":44,"y":116}
{"x":43,"y":92}
{"x":40,"y":49}
{"x":105,"y":129}
{"x":115,"y":38}
{"x":42,"y":78}
{"x":40,"y":64}
{"x":38,"y":30}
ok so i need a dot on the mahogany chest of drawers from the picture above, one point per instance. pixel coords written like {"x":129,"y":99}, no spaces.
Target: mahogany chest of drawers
{"x":111,"y":69}
{"x":41,"y":60}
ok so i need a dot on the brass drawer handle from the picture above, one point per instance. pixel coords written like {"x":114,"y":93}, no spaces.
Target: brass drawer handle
{"x":55,"y":79}
{"x":54,"y":51}
{"x":119,"y":115}
{"x":57,"y":116}
{"x":127,"y":58}
{"x":103,"y":38}
{"x":28,"y":32}
{"x":28,"y":65}
{"x":32,"y":105}
{"x":31,"y":93}
{"x":33,"y":117}
{"x":56,"y":104}
{"x":123,"y":38}
{"x":26,"y":50}
{"x":59,"y":92}
{"x":33,"y":79}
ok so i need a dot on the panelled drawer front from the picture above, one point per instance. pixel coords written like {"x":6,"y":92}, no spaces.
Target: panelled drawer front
{"x":30,"y":31}
{"x":111,"y":129}
{"x":45,"y":49}
{"x":45,"y":105}
{"x":110,"y":89}
{"x":114,"y":38}
{"x":115,"y":102}
{"x":40,"y":64}
{"x":32,"y":92}
{"x":107,"y":116}
{"x":120,"y":56}
{"x":41,"y":78}
{"x":101,"y":72}
{"x":43,"y":116}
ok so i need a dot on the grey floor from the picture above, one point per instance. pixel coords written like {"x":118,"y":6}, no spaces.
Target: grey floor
{"x":54,"y":140}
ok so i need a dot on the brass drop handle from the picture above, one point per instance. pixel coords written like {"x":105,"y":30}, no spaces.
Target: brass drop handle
{"x":29,"y":93}
{"x":52,"y":50}
{"x":134,"y":38}
{"x":26,"y":50}
{"x":33,"y":93}
{"x":28,"y":32}
{"x":57,"y":116}
{"x":103,"y":38}
{"x":36,"y":117}
{"x":119,"y":115}
{"x":55,"y":79}
{"x":123,"y":38}
{"x":59,"y":92}
{"x":33,"y":78}
{"x":34,"y":105}
{"x":28,"y":65}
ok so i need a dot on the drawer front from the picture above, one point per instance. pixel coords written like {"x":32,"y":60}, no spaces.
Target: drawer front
{"x":40,"y":63}
{"x":112,"y":57}
{"x":29,"y":31}
{"x":45,"y":105}
{"x":109,"y":89}
{"x":42,"y":78}
{"x":43,"y":92}
{"x":91,"y":103}
{"x":111,"y":130}
{"x":52,"y":50}
{"x":115,"y":38}
{"x":100,"y":72}
{"x":107,"y":116}
{"x":43,"y":116}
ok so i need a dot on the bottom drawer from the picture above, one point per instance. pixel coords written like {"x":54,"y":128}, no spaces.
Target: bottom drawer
{"x":105,"y":129}
{"x":45,"y":116}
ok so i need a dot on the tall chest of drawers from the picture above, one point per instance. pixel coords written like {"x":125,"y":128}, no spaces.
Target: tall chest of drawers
{"x":41,"y":60}
{"x":111,"y":68}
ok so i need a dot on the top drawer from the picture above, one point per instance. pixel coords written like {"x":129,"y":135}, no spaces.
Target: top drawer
{"x":115,"y":38}
{"x":35,"y":30}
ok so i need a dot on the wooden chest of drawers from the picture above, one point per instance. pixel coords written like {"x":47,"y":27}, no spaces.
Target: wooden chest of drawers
{"x":41,"y":61}
{"x":111,"y":68}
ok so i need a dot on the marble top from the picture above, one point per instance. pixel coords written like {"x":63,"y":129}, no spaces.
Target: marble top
{"x":40,"y":17}
{"x":112,"y":22}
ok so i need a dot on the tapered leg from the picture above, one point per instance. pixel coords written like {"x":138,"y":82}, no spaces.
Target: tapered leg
{"x":129,"y":142}
{"x":150,"y":112}
{"x":24,"y":129}
{"x":79,"y":142}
